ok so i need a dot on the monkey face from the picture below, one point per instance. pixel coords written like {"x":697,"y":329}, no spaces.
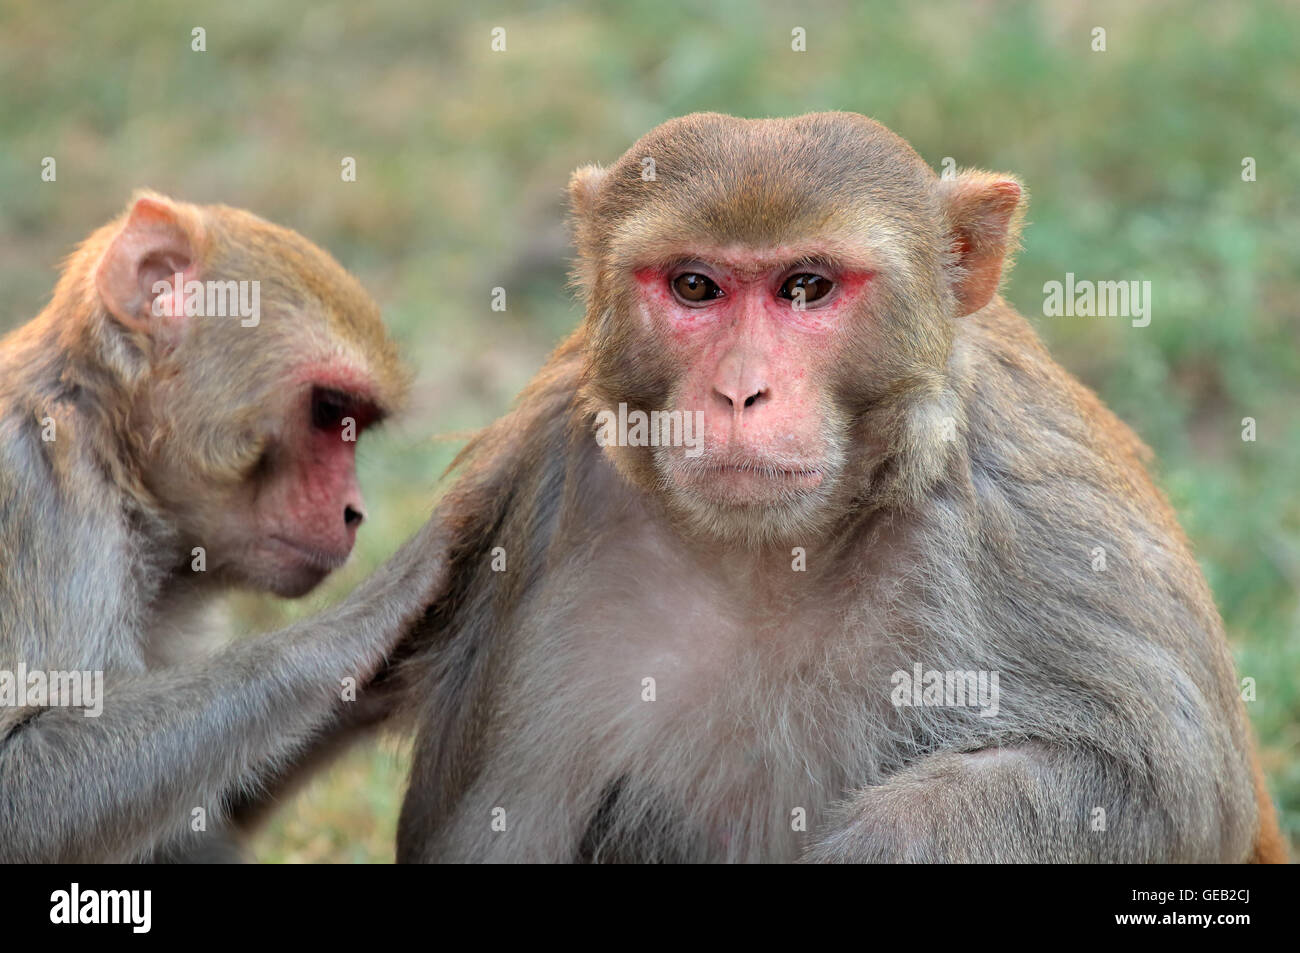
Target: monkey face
{"x":775,"y":291}
{"x":284,"y":508}
{"x":792,"y":283}
{"x":307,"y":504}
{"x":267,"y":363}
{"x":753,"y":332}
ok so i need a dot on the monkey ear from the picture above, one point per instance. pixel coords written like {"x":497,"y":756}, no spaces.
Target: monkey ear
{"x":584,"y":189}
{"x":584,"y":193}
{"x":983,"y":212}
{"x":157,"y":241}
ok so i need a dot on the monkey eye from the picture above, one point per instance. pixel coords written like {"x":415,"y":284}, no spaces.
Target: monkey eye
{"x":815,"y":287}
{"x":694,"y":288}
{"x":328,"y":408}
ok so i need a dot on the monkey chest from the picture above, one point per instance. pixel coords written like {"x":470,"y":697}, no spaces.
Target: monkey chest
{"x":679,"y":709}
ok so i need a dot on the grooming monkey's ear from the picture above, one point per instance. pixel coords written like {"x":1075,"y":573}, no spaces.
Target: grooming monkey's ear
{"x":983,"y":212}
{"x":158,"y":240}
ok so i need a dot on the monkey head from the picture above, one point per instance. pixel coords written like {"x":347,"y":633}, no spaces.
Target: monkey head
{"x":794,"y":284}
{"x":251,"y":362}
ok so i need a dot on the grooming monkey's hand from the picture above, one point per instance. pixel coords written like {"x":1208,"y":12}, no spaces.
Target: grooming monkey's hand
{"x":385,"y":608}
{"x":376,"y":701}
{"x":393,"y":600}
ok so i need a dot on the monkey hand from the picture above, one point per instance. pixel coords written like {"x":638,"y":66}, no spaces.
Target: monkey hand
{"x":374,"y":620}
{"x":375,"y":703}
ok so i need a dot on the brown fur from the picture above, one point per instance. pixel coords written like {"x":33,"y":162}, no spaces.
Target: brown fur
{"x":1270,"y":846}
{"x":965,"y":480}
{"x":170,"y":434}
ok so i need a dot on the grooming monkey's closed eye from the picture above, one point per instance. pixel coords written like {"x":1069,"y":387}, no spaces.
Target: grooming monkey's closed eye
{"x":328,"y":408}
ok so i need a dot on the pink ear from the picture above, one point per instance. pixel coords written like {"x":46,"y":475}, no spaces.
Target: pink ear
{"x":983,"y":213}
{"x":155,"y":243}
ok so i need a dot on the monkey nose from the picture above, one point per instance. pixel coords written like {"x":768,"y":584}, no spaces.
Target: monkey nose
{"x":352,"y":517}
{"x":741,"y":398}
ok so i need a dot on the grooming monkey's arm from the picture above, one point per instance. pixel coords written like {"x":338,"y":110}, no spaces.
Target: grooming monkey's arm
{"x":174,"y":740}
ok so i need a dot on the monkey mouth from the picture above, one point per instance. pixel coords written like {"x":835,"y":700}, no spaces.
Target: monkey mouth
{"x":312,"y":556}
{"x":751,"y":480}
{"x":746,"y":471}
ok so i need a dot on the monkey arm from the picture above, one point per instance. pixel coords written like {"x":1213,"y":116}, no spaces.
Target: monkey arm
{"x":249,"y":802}
{"x":188,"y":731}
{"x":376,"y":705}
{"x":176,"y":739}
{"x":1024,"y":803}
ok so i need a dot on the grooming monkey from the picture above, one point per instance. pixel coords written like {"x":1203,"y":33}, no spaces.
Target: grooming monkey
{"x":652,"y":654}
{"x":151,"y":458}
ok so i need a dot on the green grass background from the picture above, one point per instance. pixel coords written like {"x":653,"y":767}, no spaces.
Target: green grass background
{"x":1132,"y":156}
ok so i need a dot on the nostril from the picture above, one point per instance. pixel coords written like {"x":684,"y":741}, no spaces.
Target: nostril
{"x":352,"y":517}
{"x":731,"y":397}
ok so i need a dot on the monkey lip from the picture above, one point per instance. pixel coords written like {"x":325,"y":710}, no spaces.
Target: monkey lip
{"x":748,"y":477}
{"x":313,"y":556}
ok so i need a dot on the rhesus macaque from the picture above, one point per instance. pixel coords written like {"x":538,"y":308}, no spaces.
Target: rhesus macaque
{"x":656,"y":651}
{"x":153,"y":454}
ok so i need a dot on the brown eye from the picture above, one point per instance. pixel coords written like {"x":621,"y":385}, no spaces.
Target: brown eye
{"x":814,"y":287}
{"x":692,"y":288}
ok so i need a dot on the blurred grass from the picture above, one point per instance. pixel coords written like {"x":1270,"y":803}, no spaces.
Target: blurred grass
{"x":1132,"y":156}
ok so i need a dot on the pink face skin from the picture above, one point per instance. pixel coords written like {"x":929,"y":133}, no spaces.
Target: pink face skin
{"x":309,"y":511}
{"x":755,"y":365}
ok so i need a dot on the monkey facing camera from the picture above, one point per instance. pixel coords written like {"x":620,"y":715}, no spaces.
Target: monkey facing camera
{"x":860,"y":620}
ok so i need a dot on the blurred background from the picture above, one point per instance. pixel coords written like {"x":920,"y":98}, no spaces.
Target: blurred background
{"x":1133,"y":158}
